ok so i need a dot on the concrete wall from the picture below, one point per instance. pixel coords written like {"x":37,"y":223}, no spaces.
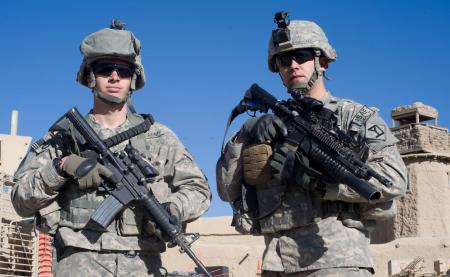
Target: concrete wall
{"x":219,"y":244}
{"x":425,"y":210}
{"x":12,"y":150}
{"x":433,"y":194}
{"x":414,"y":138}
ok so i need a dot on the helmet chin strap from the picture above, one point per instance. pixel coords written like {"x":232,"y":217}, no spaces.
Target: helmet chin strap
{"x":109,"y":99}
{"x":133,"y":81}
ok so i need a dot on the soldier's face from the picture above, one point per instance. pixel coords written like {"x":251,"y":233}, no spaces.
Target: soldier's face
{"x":298,"y":71}
{"x":113,"y":77}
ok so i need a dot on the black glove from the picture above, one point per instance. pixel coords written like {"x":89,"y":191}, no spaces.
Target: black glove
{"x":264,"y":128}
{"x":87,"y":171}
{"x":174,"y":218}
{"x":285,"y":166}
{"x":282,"y":162}
{"x":174,"y":214}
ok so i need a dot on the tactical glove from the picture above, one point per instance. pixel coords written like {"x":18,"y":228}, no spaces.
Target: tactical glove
{"x":175,"y":215}
{"x":264,"y":128}
{"x":285,"y":167}
{"x":87,"y":171}
{"x":282,"y":163}
{"x":174,"y":218}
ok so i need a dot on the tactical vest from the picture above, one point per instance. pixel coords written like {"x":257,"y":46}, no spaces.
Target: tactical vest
{"x":74,"y":207}
{"x":287,"y":206}
{"x":284,"y":206}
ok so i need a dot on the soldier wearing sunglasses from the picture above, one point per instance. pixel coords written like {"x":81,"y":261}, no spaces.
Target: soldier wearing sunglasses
{"x":312,"y":226}
{"x":49,"y":187}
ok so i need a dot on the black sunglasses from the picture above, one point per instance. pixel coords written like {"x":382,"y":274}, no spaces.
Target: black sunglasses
{"x":105,"y":69}
{"x":300,"y":56}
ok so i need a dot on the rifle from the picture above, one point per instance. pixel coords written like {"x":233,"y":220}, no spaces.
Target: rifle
{"x":130,"y":174}
{"x":325,"y":147}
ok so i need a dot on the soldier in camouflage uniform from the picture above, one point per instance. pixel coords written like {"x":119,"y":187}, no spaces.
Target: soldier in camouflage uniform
{"x":46,"y":185}
{"x":311,"y":227}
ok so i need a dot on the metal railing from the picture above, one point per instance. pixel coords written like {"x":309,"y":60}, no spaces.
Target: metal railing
{"x":18,"y":248}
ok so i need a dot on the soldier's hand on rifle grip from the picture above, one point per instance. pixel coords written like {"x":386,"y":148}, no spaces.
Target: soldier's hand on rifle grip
{"x":264,"y":128}
{"x":87,"y":171}
{"x":285,"y":166}
{"x":282,"y":163}
{"x":175,"y":219}
{"x":175,"y":215}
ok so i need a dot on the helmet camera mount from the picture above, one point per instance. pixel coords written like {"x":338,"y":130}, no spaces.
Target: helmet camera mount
{"x":281,"y":34}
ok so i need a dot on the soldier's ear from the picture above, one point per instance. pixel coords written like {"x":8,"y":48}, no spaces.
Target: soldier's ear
{"x":88,"y":80}
{"x":323,"y":62}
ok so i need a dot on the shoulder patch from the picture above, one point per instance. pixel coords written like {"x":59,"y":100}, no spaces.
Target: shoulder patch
{"x":376,"y":131}
{"x":363,"y":115}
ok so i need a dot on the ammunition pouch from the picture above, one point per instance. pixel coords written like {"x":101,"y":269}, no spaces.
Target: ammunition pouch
{"x":131,"y":222}
{"x":338,"y":207}
{"x":348,"y":213}
{"x":362,"y":216}
{"x":47,"y":219}
{"x":286,"y":207}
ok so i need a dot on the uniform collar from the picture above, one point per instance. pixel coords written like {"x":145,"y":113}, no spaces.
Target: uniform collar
{"x":131,"y":120}
{"x":327,"y":98}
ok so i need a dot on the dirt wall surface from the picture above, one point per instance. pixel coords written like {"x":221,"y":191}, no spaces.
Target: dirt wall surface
{"x":399,"y":253}
{"x":406,"y":221}
{"x":425,"y":210}
{"x":12,"y":151}
{"x":219,"y":244}
{"x":422,"y":138}
{"x":433,"y":199}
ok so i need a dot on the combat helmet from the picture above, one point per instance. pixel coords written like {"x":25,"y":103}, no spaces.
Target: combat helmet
{"x":113,"y":42}
{"x":298,"y":34}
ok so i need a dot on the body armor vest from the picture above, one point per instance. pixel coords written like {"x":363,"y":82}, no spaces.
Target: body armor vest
{"x":284,"y":206}
{"x":74,"y":207}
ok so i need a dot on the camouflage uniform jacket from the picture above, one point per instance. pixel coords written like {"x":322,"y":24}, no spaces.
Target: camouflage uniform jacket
{"x":64,"y":209}
{"x":304,"y":233}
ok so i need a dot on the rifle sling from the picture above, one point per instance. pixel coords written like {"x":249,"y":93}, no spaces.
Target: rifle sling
{"x":130,"y":133}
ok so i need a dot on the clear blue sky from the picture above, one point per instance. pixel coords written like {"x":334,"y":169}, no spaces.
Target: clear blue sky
{"x":200,"y":57}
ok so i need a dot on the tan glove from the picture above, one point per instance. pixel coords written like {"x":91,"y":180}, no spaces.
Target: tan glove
{"x":90,"y":178}
{"x":255,"y":160}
